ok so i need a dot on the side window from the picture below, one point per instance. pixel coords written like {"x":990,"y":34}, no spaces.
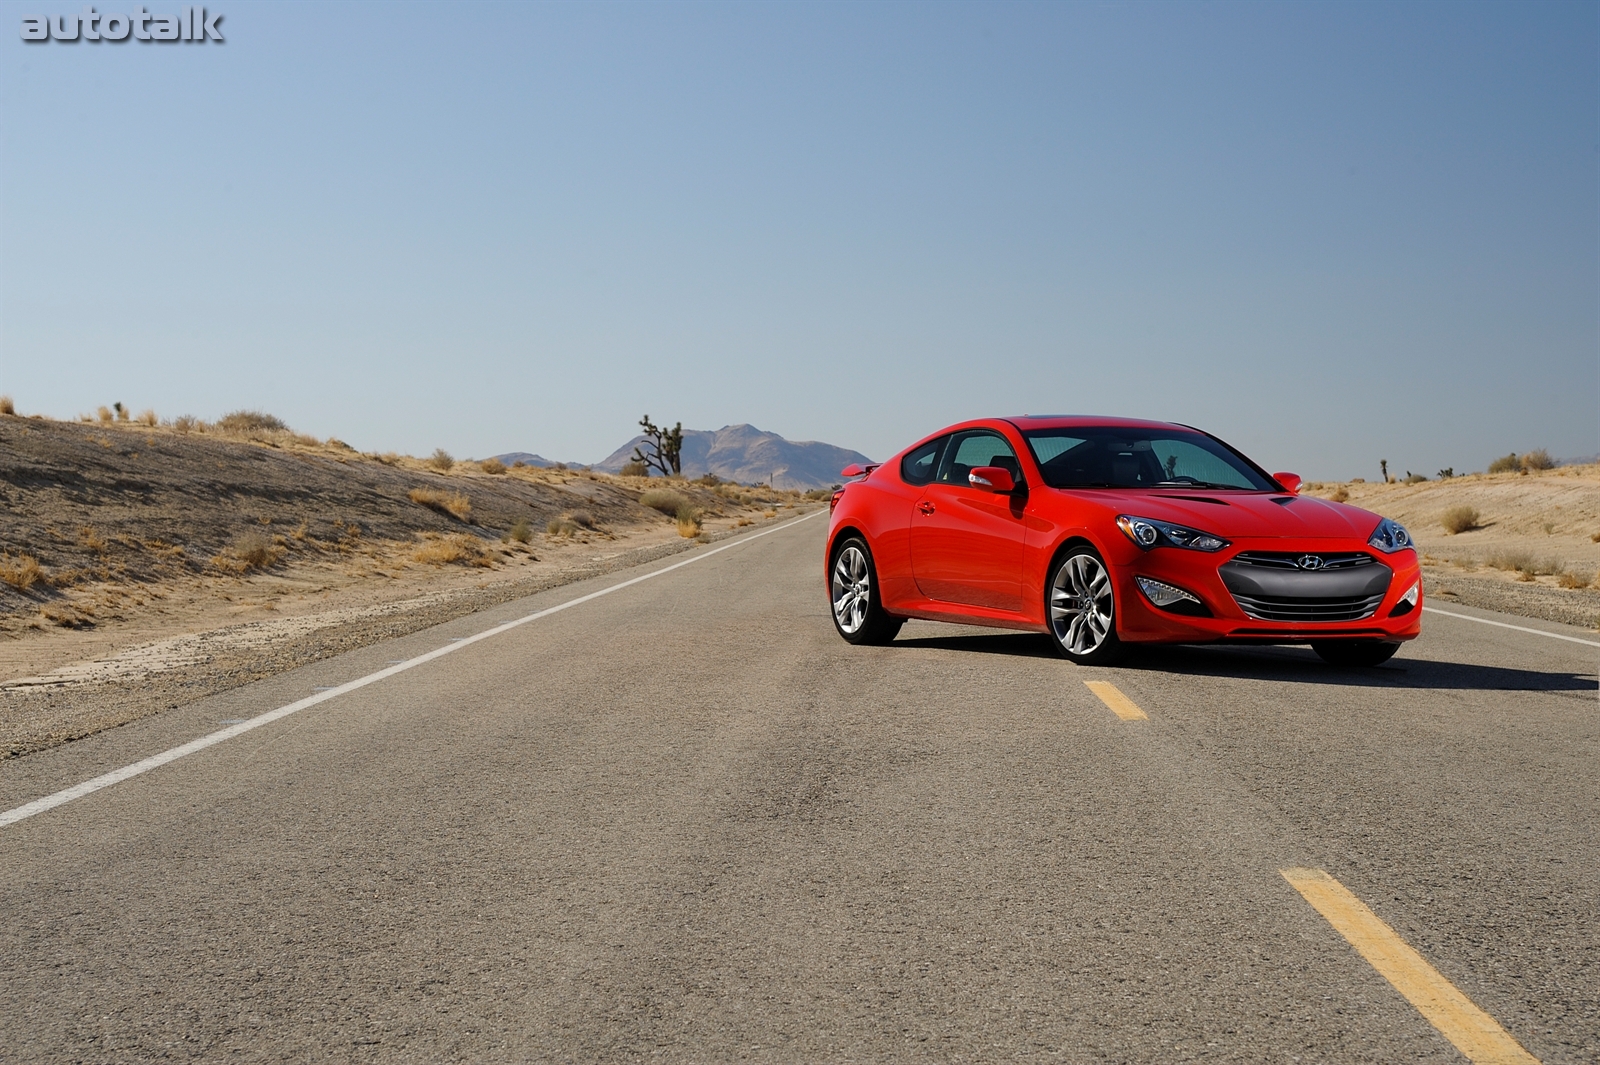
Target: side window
{"x":968,"y":451}
{"x":918,"y":466}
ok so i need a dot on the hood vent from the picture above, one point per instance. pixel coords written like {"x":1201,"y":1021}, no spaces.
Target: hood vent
{"x":1198,"y":499}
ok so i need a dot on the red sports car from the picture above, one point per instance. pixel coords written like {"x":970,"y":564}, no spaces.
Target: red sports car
{"x":1106,"y":532}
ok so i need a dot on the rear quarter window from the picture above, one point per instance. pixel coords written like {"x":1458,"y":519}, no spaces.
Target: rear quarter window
{"x":920,"y":466}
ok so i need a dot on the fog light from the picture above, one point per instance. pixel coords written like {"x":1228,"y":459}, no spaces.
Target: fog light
{"x":1408,"y":602}
{"x":1164,"y":595}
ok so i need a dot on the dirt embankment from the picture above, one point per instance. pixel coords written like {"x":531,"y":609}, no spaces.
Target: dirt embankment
{"x":141,"y":568}
{"x":1524,"y":543}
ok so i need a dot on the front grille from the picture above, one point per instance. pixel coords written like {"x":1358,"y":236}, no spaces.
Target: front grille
{"x":1291,"y":608}
{"x":1306,"y":587}
{"x":1291,"y":559}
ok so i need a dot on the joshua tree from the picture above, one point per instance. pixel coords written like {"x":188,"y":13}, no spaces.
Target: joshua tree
{"x":666,"y":447}
{"x":1383,"y":464}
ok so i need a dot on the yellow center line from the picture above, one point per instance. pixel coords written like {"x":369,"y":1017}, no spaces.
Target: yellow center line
{"x":1474,"y":1032}
{"x":1120,"y":704}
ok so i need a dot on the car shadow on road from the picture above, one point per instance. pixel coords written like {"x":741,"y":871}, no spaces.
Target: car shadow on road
{"x":1297,"y":664}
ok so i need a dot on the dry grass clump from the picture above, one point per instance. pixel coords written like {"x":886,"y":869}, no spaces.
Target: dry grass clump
{"x":457,"y":547}
{"x":1340,"y":494}
{"x":440,"y":460}
{"x":1459,"y":519}
{"x":251,"y":550}
{"x":455,"y":504}
{"x":521,"y":531}
{"x":20,"y":571}
{"x":245,"y":422}
{"x":769,"y":513}
{"x":1576,"y":580}
{"x":1414,"y":478}
{"x":185,"y":424}
{"x":148,"y":419}
{"x":104,"y":415}
{"x":492,"y":466}
{"x":634,"y":469}
{"x":92,"y":540}
{"x":689,"y":521}
{"x":665,"y":500}
{"x":7,"y":406}
{"x":572,"y":523}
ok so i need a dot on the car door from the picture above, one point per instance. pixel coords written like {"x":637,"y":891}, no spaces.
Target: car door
{"x":966,"y":543}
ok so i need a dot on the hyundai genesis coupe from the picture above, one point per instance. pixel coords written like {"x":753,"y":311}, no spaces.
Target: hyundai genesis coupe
{"x":1107,"y":532}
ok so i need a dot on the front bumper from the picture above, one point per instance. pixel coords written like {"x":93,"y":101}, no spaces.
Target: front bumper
{"x":1202,"y":576}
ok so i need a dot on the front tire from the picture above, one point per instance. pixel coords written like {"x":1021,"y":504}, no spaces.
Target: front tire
{"x":1081,"y":606}
{"x":858,"y":613}
{"x":1355,"y":652}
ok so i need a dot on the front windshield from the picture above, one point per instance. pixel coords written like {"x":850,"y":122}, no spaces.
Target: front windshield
{"x":1108,"y":457}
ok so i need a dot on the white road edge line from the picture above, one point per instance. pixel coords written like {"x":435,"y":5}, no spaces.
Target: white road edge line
{"x":117,"y":776}
{"x":1503,"y":625}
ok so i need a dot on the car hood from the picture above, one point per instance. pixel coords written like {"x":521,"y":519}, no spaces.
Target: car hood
{"x":1240,"y":515}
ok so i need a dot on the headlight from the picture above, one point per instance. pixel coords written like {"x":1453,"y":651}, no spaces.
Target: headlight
{"x":1389,"y":537}
{"x":1148,"y":533}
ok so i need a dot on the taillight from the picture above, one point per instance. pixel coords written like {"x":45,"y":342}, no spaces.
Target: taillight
{"x":834,"y":501}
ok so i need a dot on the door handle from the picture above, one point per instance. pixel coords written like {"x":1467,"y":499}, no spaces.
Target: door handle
{"x":925,"y":507}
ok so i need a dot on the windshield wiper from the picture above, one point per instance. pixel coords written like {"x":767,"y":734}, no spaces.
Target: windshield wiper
{"x":1192,"y":484}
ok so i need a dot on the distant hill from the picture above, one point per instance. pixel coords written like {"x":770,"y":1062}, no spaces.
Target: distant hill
{"x":745,"y":454}
{"x":527,"y":458}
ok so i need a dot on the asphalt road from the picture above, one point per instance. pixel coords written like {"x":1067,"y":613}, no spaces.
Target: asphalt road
{"x":686,"y":822}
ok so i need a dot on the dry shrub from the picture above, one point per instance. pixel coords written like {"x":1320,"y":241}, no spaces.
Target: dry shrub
{"x":1459,"y":519}
{"x":455,"y":504}
{"x":1594,"y":538}
{"x":519,"y":464}
{"x":521,"y":531}
{"x":457,"y":547}
{"x":148,"y":418}
{"x":689,"y":524}
{"x":1538,"y":459}
{"x":769,"y":513}
{"x":244,"y":422}
{"x":389,"y":458}
{"x":1340,"y":494}
{"x":304,"y":440}
{"x":492,"y":466}
{"x":185,"y":423}
{"x":560,"y":527}
{"x":665,"y":500}
{"x":440,"y":460}
{"x":105,"y":415}
{"x":1524,"y":564}
{"x":6,"y":406}
{"x":338,"y":445}
{"x":581,"y":517}
{"x":1576,"y":580}
{"x":742,"y":522}
{"x":20,"y":571}
{"x":634,"y":469}
{"x":92,"y":540}
{"x":1414,"y":478}
{"x":251,"y":550}
{"x":1505,"y":464}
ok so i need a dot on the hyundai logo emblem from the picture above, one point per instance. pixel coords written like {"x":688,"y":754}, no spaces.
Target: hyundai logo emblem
{"x":1311,"y":562}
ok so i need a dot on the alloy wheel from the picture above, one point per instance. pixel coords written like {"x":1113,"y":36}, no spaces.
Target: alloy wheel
{"x":1081,"y":604}
{"x":852,"y":589}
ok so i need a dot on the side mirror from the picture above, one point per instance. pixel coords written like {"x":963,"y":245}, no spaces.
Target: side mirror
{"x":1290,"y":482}
{"x":852,"y":470}
{"x":992,"y":479}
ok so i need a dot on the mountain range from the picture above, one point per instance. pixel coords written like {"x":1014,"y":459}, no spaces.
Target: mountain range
{"x":740,"y":453}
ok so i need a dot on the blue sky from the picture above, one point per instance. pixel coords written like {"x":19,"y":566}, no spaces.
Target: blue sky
{"x":1328,"y":233}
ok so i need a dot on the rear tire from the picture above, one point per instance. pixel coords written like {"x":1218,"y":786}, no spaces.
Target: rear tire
{"x":857,"y":611}
{"x":1355,"y":652}
{"x":1080,"y":605}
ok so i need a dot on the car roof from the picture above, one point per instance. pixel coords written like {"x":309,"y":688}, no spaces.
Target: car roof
{"x":1028,"y":422}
